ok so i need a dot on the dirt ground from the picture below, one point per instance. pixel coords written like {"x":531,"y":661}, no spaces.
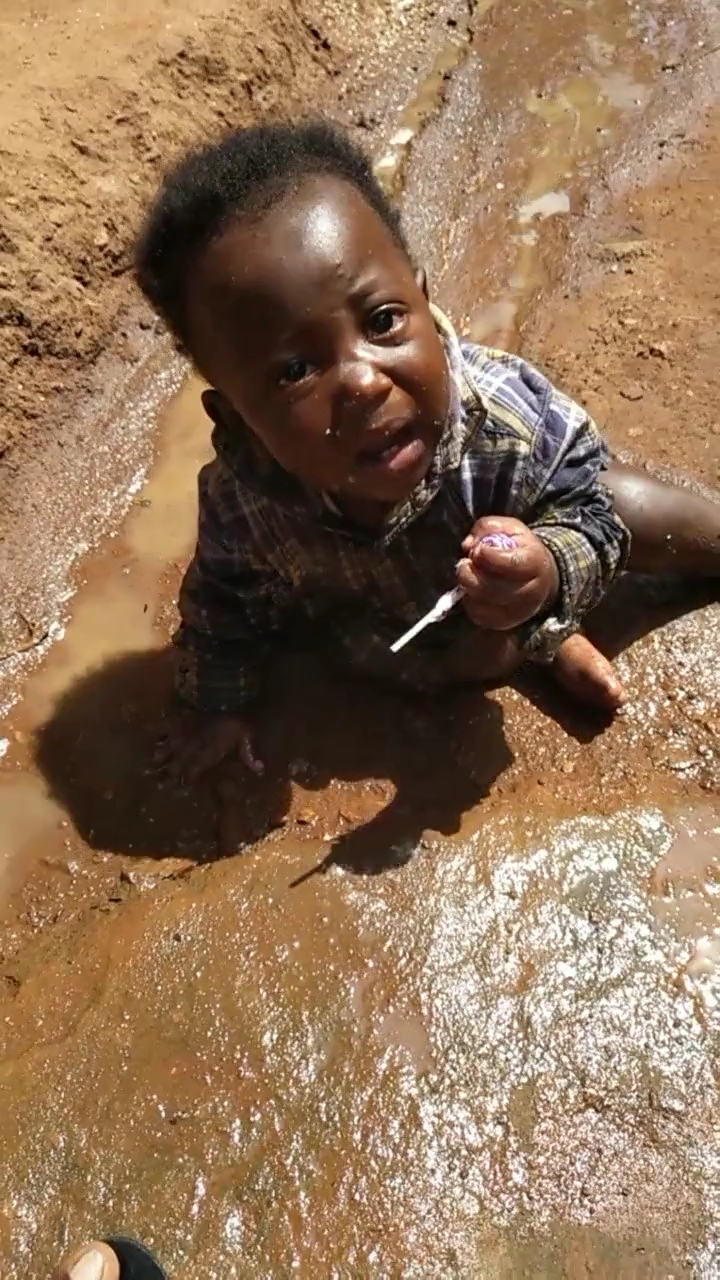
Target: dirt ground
{"x":639,"y":347}
{"x":500,"y":1057}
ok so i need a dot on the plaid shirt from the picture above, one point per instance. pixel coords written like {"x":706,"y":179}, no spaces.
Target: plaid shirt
{"x":271,"y":556}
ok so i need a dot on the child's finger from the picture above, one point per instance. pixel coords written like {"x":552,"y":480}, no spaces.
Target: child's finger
{"x":514,"y":563}
{"x":228,"y":835}
{"x":248,"y":757}
{"x":476,"y":581}
{"x":495,"y":604}
{"x":468,"y":578}
{"x":200,"y":759}
{"x":497,"y":529}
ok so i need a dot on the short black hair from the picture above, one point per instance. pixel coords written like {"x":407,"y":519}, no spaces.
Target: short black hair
{"x":244,"y":173}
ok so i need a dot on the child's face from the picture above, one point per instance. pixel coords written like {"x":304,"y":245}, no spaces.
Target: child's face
{"x":310,"y":323}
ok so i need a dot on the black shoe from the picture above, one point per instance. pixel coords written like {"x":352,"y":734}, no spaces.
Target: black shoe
{"x":136,"y":1262}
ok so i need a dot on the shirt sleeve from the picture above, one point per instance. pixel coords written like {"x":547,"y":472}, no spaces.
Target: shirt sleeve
{"x":572,"y":512}
{"x":233,"y":608}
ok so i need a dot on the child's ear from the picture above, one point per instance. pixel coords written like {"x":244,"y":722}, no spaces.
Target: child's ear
{"x":421,"y":281}
{"x":218,"y":408}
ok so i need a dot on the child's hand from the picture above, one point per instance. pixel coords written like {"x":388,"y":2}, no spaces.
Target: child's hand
{"x":505,"y":588}
{"x":203,"y":740}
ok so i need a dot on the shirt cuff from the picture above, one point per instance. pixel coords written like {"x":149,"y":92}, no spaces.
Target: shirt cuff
{"x":573,"y":556}
{"x":219,"y":690}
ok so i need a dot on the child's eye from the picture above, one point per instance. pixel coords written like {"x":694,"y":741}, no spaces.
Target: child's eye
{"x":294,"y":371}
{"x":385,"y":321}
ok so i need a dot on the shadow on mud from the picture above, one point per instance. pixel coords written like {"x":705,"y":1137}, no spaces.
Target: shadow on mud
{"x":96,"y":755}
{"x":441,"y":756}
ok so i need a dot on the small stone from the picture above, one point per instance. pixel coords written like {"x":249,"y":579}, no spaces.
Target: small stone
{"x":145,"y":873}
{"x":632,"y":391}
{"x":659,"y":350}
{"x":306,"y":817}
{"x":624,"y":250}
{"x":177,"y":1116}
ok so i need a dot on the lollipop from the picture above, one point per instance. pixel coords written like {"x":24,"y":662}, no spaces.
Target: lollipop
{"x":500,"y":541}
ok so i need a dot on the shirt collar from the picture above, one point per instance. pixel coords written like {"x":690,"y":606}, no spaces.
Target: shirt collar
{"x":465,"y":414}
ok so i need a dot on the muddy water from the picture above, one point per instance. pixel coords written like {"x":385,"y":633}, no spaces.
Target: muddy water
{"x":115,"y":613}
{"x":498,"y":1058}
{"x":326,"y":1081}
{"x":540,"y":102}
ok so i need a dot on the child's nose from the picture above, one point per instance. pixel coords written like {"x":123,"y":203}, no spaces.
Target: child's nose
{"x":363,"y":380}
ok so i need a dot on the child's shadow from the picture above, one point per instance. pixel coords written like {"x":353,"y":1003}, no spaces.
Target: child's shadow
{"x":441,"y":757}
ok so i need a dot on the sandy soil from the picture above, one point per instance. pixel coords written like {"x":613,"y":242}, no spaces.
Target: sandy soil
{"x":639,"y":346}
{"x":85,"y":135}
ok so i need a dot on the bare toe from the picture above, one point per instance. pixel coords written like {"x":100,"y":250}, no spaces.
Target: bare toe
{"x":93,"y":1261}
{"x":587,"y":674}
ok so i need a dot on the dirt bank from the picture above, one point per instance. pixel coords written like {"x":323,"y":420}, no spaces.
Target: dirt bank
{"x":100,"y":101}
{"x":102,"y":97}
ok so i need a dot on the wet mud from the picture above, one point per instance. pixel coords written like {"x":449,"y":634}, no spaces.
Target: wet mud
{"x":439,"y":997}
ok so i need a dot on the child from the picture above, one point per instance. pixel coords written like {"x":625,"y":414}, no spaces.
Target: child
{"x":363,"y":450}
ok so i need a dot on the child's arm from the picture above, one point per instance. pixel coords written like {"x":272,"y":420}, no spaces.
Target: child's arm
{"x":540,"y":459}
{"x":233,"y":608}
{"x":572,"y":513}
{"x":231,"y":616}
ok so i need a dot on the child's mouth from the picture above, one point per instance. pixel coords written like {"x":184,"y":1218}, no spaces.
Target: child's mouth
{"x":402,"y":450}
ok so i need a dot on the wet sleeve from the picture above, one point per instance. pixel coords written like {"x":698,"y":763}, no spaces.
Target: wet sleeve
{"x":572,"y":512}
{"x":233,"y":609}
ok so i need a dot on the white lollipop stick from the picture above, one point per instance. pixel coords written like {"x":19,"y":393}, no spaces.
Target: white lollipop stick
{"x":439,"y":611}
{"x":442,"y":607}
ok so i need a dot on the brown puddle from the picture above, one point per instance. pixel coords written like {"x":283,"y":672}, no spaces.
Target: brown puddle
{"x":240,"y":1068}
{"x":115,"y":612}
{"x":522,"y":141}
{"x":424,"y":106}
{"x":427,"y":102}
{"x":578,"y":119}
{"x":499,"y":1058}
